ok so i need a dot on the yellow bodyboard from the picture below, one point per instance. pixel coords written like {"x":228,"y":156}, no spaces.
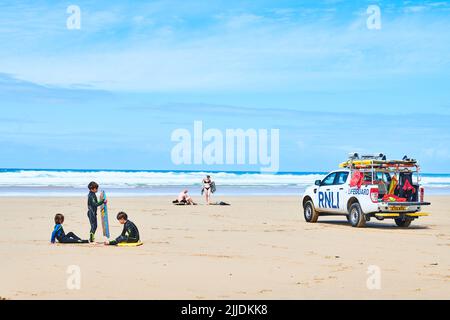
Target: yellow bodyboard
{"x":130,"y":244}
{"x":361,"y":163}
{"x":375,"y":162}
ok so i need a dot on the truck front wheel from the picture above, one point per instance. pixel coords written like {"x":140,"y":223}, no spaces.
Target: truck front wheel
{"x":403,"y":222}
{"x":356,"y":216}
{"x":311,"y":215}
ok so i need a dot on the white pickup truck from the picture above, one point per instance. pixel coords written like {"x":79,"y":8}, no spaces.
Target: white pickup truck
{"x":379,"y":194}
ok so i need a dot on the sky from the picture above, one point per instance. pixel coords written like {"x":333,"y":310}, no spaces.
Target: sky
{"x":110,"y":94}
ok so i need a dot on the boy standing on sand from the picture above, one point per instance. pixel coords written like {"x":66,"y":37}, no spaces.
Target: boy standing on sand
{"x":93,"y":204}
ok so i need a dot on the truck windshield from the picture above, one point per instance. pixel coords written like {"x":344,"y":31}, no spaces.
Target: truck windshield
{"x":329,"y":180}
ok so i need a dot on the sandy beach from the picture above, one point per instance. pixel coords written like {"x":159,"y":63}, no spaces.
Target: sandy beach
{"x":257,"y":248}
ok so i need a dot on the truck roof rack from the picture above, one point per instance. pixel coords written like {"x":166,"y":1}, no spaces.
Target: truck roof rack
{"x":378,"y":163}
{"x":357,"y":156}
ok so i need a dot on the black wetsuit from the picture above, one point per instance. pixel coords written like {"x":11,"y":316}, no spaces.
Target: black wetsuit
{"x":59,"y":234}
{"x":93,"y":203}
{"x":130,"y":234}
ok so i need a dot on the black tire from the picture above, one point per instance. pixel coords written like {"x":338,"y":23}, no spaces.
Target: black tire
{"x":311,"y":215}
{"x":403,"y":222}
{"x":356,"y":216}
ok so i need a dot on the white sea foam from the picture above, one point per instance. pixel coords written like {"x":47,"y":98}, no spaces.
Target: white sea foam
{"x":142,"y":179}
{"x":51,"y":183}
{"x":135,"y":179}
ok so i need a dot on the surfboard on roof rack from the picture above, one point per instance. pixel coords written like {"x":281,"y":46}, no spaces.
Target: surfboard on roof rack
{"x":367,"y":163}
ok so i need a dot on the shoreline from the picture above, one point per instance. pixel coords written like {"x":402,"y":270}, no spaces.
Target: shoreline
{"x":52,"y":193}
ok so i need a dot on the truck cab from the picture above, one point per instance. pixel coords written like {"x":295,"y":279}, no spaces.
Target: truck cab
{"x":368,"y":188}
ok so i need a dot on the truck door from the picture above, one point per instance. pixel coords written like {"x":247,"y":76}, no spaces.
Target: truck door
{"x":342,"y":182}
{"x":328,"y":198}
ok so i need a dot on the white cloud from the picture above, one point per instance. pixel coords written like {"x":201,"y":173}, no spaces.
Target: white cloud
{"x":240,"y":20}
{"x":414,"y":9}
{"x":242,"y":52}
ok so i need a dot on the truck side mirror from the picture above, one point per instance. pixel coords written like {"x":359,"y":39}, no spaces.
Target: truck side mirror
{"x":318,"y":182}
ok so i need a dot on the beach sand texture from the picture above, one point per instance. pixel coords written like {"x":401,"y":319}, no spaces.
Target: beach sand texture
{"x":257,"y":248}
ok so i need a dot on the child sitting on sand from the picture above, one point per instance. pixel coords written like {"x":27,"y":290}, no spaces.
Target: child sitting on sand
{"x":130,"y":233}
{"x":59,"y":234}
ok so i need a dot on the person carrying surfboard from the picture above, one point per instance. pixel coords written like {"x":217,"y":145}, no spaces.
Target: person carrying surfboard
{"x":93,"y":204}
{"x":130,"y":233}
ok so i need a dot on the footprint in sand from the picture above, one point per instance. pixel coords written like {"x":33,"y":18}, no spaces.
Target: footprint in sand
{"x":272,"y":246}
{"x":160,"y":242}
{"x":318,"y":280}
{"x":302,"y":283}
{"x":264,"y":291}
{"x":433,"y":264}
{"x":437,"y":276}
{"x":339,"y":267}
{"x":212,"y":255}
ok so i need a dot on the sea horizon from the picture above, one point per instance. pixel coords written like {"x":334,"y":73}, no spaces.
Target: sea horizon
{"x":73,"y":182}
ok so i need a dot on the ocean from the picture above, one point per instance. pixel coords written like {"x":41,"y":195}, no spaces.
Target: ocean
{"x":44,"y":182}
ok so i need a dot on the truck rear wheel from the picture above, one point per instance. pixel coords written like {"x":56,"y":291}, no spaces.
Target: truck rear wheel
{"x":311,"y":215}
{"x":403,"y":222}
{"x":356,"y":216}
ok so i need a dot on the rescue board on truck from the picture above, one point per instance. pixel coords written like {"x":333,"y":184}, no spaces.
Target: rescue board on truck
{"x":377,"y":163}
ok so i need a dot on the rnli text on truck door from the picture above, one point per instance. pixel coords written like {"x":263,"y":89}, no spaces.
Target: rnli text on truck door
{"x":331,"y":196}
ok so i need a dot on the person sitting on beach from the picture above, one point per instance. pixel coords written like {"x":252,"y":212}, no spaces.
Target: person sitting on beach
{"x":185,"y":198}
{"x":208,"y":188}
{"x":130,"y":233}
{"x":59,"y":234}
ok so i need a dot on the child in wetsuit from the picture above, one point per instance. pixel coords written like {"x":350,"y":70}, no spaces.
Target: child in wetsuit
{"x":93,"y":204}
{"x":59,"y":234}
{"x":130,"y":233}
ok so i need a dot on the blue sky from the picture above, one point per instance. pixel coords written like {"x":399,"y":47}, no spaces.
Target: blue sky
{"x":110,"y":94}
